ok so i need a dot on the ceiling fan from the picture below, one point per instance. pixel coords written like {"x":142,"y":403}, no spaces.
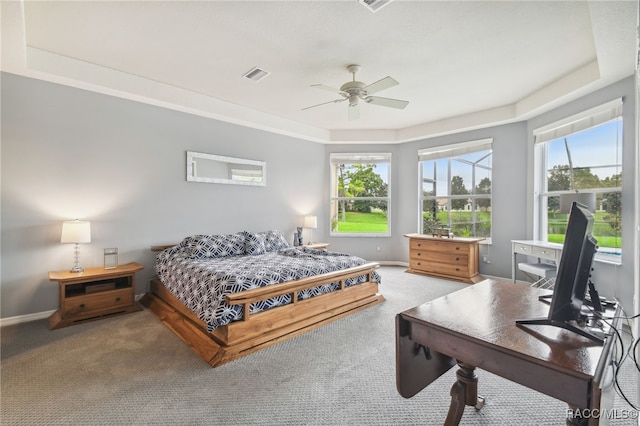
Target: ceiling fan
{"x":354,"y":91}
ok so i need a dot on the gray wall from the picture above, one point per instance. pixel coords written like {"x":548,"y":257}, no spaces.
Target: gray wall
{"x":508,"y":181}
{"x":70,"y":153}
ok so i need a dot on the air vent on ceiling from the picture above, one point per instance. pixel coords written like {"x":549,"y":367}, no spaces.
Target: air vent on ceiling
{"x":256,"y":74}
{"x":374,"y":5}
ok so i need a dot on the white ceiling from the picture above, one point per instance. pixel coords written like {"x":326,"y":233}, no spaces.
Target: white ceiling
{"x":460,"y":64}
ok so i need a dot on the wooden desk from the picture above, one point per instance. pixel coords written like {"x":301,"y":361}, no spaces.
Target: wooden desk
{"x":475,"y":327}
{"x":535,"y":248}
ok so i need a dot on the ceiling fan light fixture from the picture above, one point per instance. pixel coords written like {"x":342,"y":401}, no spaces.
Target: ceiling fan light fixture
{"x":374,"y":5}
{"x":355,"y":90}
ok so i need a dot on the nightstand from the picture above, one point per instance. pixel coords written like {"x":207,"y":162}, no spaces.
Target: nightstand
{"x":94,"y":294}
{"x":317,"y":245}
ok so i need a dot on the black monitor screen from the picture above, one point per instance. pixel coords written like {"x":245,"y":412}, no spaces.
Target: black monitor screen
{"x":574,"y":267}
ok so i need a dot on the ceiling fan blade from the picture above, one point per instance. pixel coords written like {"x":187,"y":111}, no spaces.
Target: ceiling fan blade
{"x":379,"y":85}
{"x":354,"y":112}
{"x":324,"y":103}
{"x":328,"y":88}
{"x":387,"y":102}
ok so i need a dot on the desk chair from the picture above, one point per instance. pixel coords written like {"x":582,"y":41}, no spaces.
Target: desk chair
{"x":542,"y":274}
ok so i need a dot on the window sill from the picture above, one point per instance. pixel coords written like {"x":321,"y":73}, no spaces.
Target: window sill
{"x":610,"y":259}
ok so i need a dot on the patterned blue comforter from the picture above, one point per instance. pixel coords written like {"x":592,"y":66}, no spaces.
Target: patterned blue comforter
{"x":201,"y":284}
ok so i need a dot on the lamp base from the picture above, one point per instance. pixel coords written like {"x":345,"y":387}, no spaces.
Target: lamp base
{"x":76,"y":260}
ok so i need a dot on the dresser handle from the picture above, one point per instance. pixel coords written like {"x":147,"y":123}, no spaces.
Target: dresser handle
{"x":457,"y":269}
{"x":117,"y":299}
{"x":457,"y":248}
{"x":457,"y":258}
{"x":82,"y":305}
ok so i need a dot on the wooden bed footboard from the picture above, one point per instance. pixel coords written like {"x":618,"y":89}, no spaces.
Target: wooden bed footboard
{"x":263,"y":329}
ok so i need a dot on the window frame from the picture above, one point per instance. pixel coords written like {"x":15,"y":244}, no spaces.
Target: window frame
{"x":358,"y":158}
{"x":586,"y":120}
{"x":449,"y":152}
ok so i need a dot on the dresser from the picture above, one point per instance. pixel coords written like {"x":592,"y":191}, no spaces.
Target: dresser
{"x":452,"y":258}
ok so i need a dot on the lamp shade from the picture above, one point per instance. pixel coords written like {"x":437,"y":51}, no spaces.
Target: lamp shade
{"x":76,"y":231}
{"x":587,"y":199}
{"x":310,"y":222}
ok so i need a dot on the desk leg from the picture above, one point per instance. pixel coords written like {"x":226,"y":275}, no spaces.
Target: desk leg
{"x":513,"y":265}
{"x":464,"y":392}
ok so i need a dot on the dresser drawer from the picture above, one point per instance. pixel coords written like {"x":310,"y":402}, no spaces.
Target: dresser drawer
{"x":439,"y":268}
{"x":544,"y":252}
{"x":441,"y":257}
{"x":98,"y":301}
{"x":440,"y":245}
{"x":522,"y":249}
{"x":536,"y":250}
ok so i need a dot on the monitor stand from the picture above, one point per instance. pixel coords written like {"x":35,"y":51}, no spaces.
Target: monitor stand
{"x":595,"y":298}
{"x":562,"y":324}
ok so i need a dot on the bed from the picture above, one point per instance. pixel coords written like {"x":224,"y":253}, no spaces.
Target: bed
{"x":227,"y":296}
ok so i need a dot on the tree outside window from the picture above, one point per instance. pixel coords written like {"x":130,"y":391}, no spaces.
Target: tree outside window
{"x":360,"y":194}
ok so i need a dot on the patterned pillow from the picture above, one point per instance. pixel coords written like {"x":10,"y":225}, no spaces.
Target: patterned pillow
{"x":210,"y":246}
{"x":254,"y":243}
{"x":274,"y":240}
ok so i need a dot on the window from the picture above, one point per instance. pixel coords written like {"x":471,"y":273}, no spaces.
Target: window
{"x":360,"y":195}
{"x":580,"y":159}
{"x":455,"y":189}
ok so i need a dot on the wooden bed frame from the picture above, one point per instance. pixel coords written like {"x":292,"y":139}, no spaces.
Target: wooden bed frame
{"x":263,"y":329}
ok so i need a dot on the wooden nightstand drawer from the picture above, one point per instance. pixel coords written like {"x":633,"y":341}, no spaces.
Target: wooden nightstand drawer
{"x":98,"y":301}
{"x":94,"y":293}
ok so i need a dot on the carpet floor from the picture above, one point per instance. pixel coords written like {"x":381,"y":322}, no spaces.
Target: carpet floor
{"x":132,"y":370}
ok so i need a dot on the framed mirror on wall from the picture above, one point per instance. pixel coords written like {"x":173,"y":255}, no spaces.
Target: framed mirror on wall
{"x":212,"y":168}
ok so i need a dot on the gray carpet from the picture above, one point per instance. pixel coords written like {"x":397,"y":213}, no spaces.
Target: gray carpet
{"x":132,"y":370}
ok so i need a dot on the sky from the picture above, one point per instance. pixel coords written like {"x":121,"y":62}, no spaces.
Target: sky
{"x":598,"y":146}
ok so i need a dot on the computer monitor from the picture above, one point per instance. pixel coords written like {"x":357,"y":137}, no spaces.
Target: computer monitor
{"x":572,"y":279}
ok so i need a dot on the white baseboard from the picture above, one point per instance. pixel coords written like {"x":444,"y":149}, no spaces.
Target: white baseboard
{"x":25,"y":318}
{"x":393,"y":263}
{"x":38,"y":316}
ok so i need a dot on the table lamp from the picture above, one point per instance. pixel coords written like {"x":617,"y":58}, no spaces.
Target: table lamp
{"x":310,"y":222}
{"x":76,"y":232}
